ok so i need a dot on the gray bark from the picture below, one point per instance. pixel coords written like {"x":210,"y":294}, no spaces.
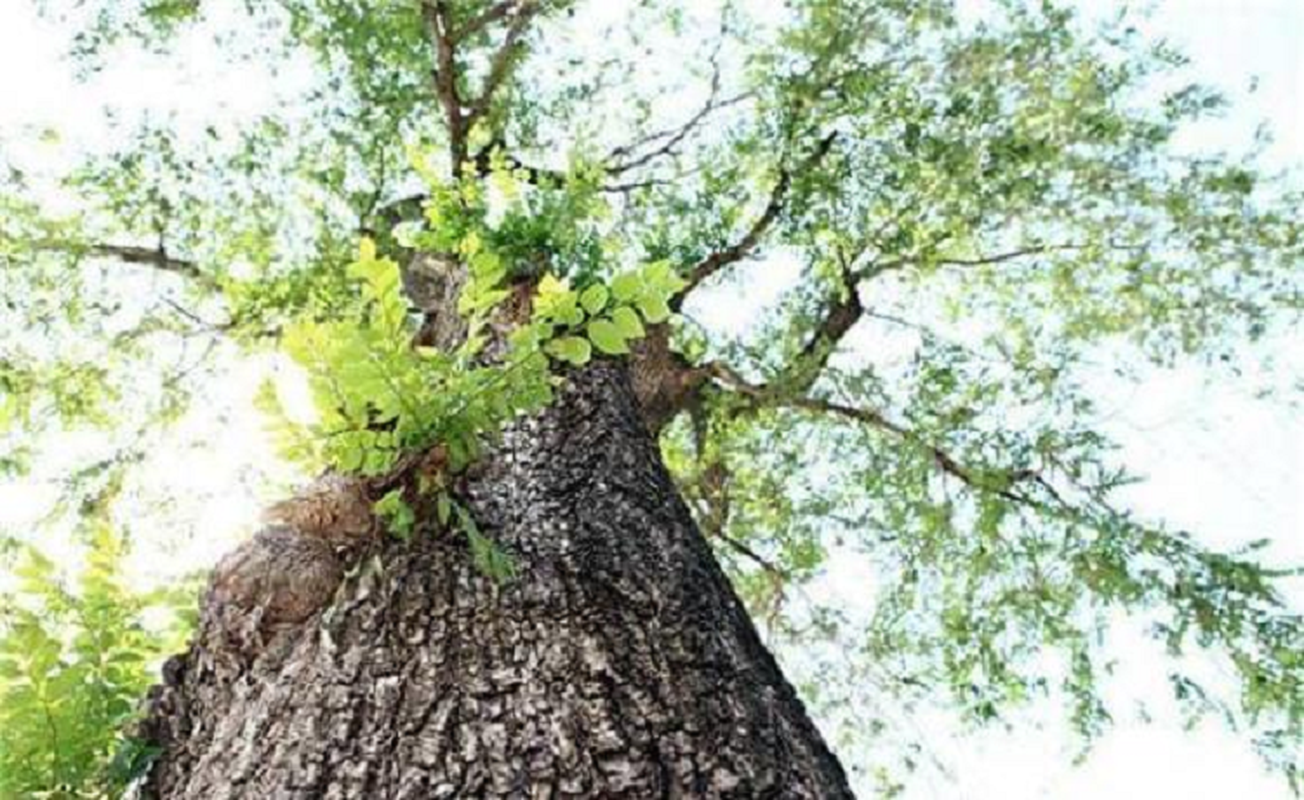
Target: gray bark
{"x":618,"y":663}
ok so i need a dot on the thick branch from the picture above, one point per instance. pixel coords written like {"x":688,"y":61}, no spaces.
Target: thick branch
{"x":667,"y":383}
{"x":461,"y":114}
{"x":744,"y":246}
{"x":439,"y":29}
{"x":157,"y":258}
{"x":841,"y":316}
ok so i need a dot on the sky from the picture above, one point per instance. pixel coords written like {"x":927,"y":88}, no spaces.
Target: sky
{"x":1217,"y":459}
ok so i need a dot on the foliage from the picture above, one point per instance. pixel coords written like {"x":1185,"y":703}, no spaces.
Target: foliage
{"x":377,"y":397}
{"x":956,"y":216}
{"x":75,"y":661}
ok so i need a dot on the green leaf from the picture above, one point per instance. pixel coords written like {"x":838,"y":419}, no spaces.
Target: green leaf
{"x":628,"y":322}
{"x":571,"y":349}
{"x":488,"y":557}
{"x":487,"y":267}
{"x":443,"y":508}
{"x":551,"y":286}
{"x":627,"y":286}
{"x":607,"y":337}
{"x":473,"y":300}
{"x":660,"y":278}
{"x":571,"y":315}
{"x":399,"y":517}
{"x":594,"y":299}
{"x":654,"y":309}
{"x":555,"y":301}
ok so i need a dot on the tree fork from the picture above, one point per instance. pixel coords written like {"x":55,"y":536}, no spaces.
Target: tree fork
{"x":618,"y":663}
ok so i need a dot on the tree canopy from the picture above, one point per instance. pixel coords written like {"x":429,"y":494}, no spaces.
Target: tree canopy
{"x":956,"y":211}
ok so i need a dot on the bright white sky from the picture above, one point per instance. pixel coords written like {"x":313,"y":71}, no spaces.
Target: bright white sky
{"x":1219,"y":462}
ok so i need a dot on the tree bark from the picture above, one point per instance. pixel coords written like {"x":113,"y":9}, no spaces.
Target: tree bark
{"x":617,"y":663}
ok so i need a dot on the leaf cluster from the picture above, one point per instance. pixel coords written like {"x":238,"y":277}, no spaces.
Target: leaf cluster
{"x":75,"y":660}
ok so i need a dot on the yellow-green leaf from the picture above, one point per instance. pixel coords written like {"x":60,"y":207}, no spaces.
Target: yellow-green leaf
{"x":628,"y":322}
{"x":627,"y":286}
{"x":654,"y":309}
{"x":607,"y":337}
{"x":594,"y":299}
{"x":571,"y":349}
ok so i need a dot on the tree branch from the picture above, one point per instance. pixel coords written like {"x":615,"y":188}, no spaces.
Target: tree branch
{"x":744,"y":246}
{"x":444,"y":73}
{"x":766,"y":396}
{"x":486,"y":18}
{"x":204,"y":325}
{"x":157,"y":258}
{"x":500,"y":64}
{"x":879,"y":267}
{"x":841,"y":316}
{"x":673,"y":136}
{"x":633,"y":186}
{"x":154,"y":257}
{"x":774,"y":570}
{"x":461,"y":114}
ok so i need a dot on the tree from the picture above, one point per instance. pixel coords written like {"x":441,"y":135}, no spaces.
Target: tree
{"x":551,"y":206}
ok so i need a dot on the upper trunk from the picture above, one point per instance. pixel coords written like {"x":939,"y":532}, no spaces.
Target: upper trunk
{"x":617,"y":663}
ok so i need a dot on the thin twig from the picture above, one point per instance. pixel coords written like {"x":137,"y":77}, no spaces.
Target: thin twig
{"x":673,"y":136}
{"x":155,"y":257}
{"x":486,"y":18}
{"x":880,"y":267}
{"x":500,"y":63}
{"x":768,"y":396}
{"x":744,"y":246}
{"x":677,"y":134}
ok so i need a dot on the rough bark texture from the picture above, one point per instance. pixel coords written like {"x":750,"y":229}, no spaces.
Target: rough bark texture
{"x":618,"y":663}
{"x":665,"y":383}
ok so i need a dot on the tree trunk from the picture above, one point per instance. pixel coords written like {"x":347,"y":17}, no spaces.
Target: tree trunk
{"x":617,"y":663}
